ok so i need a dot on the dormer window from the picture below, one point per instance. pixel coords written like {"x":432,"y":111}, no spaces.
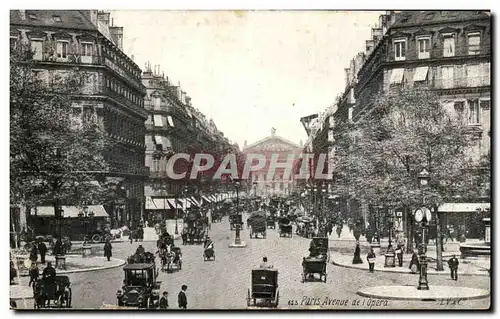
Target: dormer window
{"x":400,"y":50}
{"x":57,"y":18}
{"x":32,"y":16}
{"x":474,"y":43}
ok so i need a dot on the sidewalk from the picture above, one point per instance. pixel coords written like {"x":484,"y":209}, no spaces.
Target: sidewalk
{"x":467,"y":267}
{"x":75,"y":264}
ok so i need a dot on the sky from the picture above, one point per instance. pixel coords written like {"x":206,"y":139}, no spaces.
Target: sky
{"x":251,"y":71}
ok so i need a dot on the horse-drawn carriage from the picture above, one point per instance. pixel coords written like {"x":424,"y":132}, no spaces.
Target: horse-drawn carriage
{"x":140,"y":287}
{"x":313,"y":265}
{"x":319,"y":247}
{"x":285,"y":227}
{"x":271,"y":222}
{"x":208,"y":254}
{"x":53,"y":292}
{"x":305,"y":227}
{"x":195,"y":229}
{"x":170,"y":257}
{"x":258,"y":224}
{"x":264,"y":288}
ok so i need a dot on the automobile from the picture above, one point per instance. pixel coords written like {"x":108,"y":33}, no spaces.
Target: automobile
{"x":141,"y":288}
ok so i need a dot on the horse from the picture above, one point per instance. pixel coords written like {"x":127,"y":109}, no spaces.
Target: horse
{"x":167,"y":257}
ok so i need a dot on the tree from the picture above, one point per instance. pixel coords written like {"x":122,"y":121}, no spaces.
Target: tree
{"x":380,"y":157}
{"x":54,"y":157}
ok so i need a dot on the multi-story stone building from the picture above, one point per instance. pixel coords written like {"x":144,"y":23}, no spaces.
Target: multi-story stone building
{"x":64,"y":39}
{"x":175,"y":126}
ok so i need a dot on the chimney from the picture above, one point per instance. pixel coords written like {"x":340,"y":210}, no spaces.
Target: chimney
{"x":103,"y":16}
{"x":376,"y":34}
{"x":347,"y":74}
{"x":23,"y":14}
{"x":117,"y":36}
{"x":369,"y":46}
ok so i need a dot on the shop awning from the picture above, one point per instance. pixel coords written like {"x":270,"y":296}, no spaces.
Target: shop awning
{"x":213,"y":198}
{"x":396,"y":76}
{"x":462,"y":207}
{"x":195,"y":202}
{"x":207,"y":199}
{"x":70,"y":211}
{"x":420,"y":73}
{"x":171,"y":202}
{"x":184,"y":203}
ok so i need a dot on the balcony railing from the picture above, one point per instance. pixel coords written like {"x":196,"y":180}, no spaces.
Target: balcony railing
{"x":439,"y":53}
{"x":461,"y":82}
{"x":125,"y":168}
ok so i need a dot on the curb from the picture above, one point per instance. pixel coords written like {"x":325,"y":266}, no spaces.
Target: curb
{"x":444,"y":273}
{"x":62,"y":272}
{"x":474,"y":293}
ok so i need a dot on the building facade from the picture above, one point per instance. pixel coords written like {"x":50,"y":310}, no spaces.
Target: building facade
{"x":112,"y":91}
{"x":173,"y":126}
{"x":262,"y":182}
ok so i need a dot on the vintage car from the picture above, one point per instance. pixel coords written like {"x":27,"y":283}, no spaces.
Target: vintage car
{"x":140,"y":287}
{"x":312,"y":266}
{"x":264,"y":291}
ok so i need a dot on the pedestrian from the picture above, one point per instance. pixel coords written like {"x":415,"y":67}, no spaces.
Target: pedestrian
{"x":42,"y":248}
{"x":34,"y":253}
{"x":339,"y":230}
{"x":182,"y":299}
{"x":453,"y":264}
{"x":164,"y":301}
{"x":49,"y":271}
{"x":357,"y":255}
{"x":371,"y":260}
{"x":108,"y":249}
{"x":131,"y":237}
{"x":265,"y":264}
{"x":34,"y":274}
{"x":414,"y":263}
{"x":399,"y":255}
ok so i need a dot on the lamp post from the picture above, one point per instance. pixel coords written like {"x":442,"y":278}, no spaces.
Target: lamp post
{"x":237,"y":239}
{"x":423,"y":216}
{"x":324,"y":190}
{"x":254,"y":189}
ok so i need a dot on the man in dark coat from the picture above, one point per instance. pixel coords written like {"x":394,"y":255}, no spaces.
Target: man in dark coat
{"x":34,"y":253}
{"x":108,"y":250}
{"x":42,"y":248}
{"x":140,"y":250}
{"x":164,"y":301}
{"x":357,"y":255}
{"x":34,"y":274}
{"x":399,"y":255}
{"x":453,"y":264}
{"x":182,"y":299}
{"x":49,"y":271}
{"x":414,"y":261}
{"x":58,"y":247}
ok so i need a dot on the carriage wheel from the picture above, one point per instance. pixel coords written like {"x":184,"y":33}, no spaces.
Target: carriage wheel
{"x":96,"y":238}
{"x":277,"y":297}
{"x":70,"y":296}
{"x":180,"y":265}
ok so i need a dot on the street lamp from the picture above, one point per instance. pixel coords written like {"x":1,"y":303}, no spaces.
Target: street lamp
{"x":423,"y":216}
{"x":85,"y":216}
{"x":254,"y":189}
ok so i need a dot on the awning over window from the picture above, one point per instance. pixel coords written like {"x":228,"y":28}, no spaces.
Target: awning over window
{"x":158,"y":120}
{"x":70,"y":211}
{"x":213,"y":198}
{"x":462,"y":207}
{"x":195,"y":202}
{"x":184,"y":203}
{"x":170,"y":121}
{"x":420,"y":73}
{"x":158,"y":140}
{"x":397,"y":76}
{"x":171,"y":202}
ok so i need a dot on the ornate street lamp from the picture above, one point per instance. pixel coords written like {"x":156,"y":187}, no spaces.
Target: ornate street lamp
{"x":423,"y":216}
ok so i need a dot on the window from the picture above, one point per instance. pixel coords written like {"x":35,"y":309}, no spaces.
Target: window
{"x":420,"y":74}
{"x":37,"y":48}
{"x":399,"y":50}
{"x":447,"y":77}
{"x":474,"y":42}
{"x":57,"y":19}
{"x":474,"y":75}
{"x":87,"y":49}
{"x":459,"y":108}
{"x":88,"y":114}
{"x":351,"y":109}
{"x":62,"y":49}
{"x":424,"y":47}
{"x":396,"y":76}
{"x":331,"y":120}
{"x":32,"y":16}
{"x":157,"y":103}
{"x":158,"y":120}
{"x":484,"y":104}
{"x":448,"y":45}
{"x":330,"y":136}
{"x":474,"y":112}
{"x":13,"y":41}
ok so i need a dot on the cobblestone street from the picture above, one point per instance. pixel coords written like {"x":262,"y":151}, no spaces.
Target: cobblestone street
{"x":223,"y":283}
